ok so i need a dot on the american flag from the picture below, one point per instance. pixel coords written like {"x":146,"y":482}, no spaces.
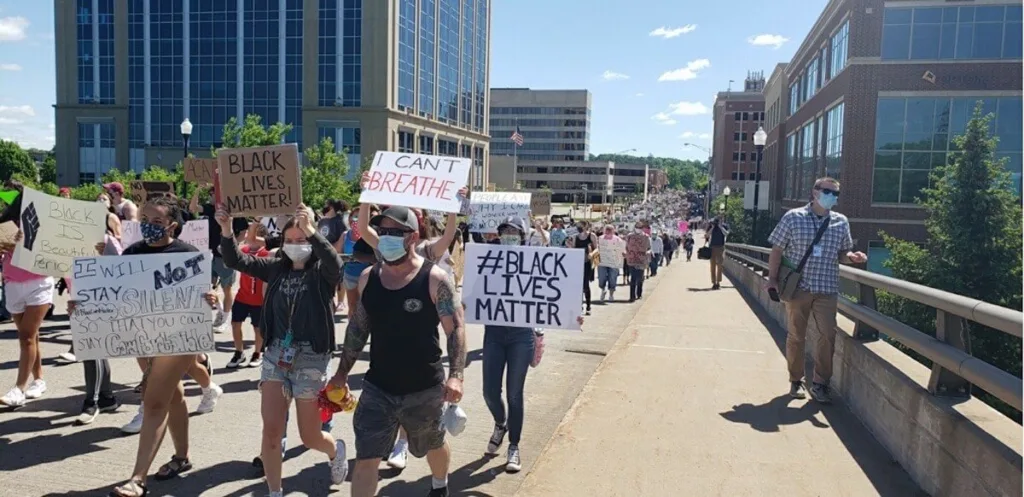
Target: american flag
{"x":517,"y":137}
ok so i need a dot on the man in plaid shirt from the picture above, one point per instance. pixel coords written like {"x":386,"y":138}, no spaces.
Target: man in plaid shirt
{"x":818,"y":292}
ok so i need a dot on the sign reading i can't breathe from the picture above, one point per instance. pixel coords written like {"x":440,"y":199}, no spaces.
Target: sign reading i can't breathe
{"x":529,"y":287}
{"x":142,"y":305}
{"x":260,"y":180}
{"x":414,"y":180}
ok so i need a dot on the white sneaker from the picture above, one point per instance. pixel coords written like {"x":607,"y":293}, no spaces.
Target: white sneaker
{"x":210,"y":397}
{"x":513,"y":464}
{"x":219,"y":317}
{"x":67,"y":356}
{"x":35,"y":389}
{"x":399,"y":455}
{"x":604,"y":293}
{"x":14,"y":398}
{"x":497,"y":438}
{"x":611,"y":296}
{"x":135,"y":425}
{"x":339,"y":465}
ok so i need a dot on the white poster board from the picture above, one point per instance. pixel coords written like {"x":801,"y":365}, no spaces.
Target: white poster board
{"x":611,"y":251}
{"x":416,"y":180}
{"x":529,"y":287}
{"x":762,"y":195}
{"x":196,"y":233}
{"x":56,"y":230}
{"x":131,"y":232}
{"x":489,"y":209}
{"x":142,"y":305}
{"x":270,"y":222}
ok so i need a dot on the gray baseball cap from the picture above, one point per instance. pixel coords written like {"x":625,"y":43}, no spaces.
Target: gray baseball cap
{"x":399,"y":214}
{"x":515,"y":222}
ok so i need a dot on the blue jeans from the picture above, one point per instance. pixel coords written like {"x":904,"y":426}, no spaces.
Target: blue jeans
{"x":507,"y":348}
{"x":655,"y":264}
{"x":606,"y":277}
{"x":636,"y":282}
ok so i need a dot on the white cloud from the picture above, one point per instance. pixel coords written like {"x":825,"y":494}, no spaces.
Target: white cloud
{"x":10,"y":67}
{"x":614,"y":76}
{"x":639,"y":95}
{"x":9,"y":120}
{"x":663,"y":118}
{"x":23,"y":110}
{"x":767,"y":40}
{"x":686,"y":73}
{"x":667,"y":33}
{"x":690,"y":135}
{"x":13,"y":28}
{"x":688,"y":109}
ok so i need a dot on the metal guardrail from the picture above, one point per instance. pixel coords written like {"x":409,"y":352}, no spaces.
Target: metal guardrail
{"x":954,"y":369}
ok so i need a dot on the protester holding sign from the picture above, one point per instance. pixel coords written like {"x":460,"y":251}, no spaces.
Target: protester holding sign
{"x":508,"y":350}
{"x":297,"y":324}
{"x":612,"y":249}
{"x":28,"y":297}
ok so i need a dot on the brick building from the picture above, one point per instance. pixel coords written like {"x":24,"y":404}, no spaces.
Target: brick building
{"x":737,"y":116}
{"x":875,"y":95}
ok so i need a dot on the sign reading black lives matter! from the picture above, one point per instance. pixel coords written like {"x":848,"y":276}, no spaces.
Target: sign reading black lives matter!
{"x":529,"y":287}
{"x":260,"y":180}
{"x":142,"y":305}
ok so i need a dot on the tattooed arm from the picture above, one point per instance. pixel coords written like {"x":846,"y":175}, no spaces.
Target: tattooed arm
{"x":452,"y":320}
{"x":356,"y":335}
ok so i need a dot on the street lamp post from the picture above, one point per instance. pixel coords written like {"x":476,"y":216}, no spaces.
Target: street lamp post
{"x":725,"y":193}
{"x":760,"y":137}
{"x":186,"y":133}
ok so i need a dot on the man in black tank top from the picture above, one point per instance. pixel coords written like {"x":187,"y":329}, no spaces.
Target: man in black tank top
{"x":403,"y":300}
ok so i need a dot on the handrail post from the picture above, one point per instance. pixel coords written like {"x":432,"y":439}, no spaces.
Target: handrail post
{"x":863,"y":331}
{"x":950,"y":329}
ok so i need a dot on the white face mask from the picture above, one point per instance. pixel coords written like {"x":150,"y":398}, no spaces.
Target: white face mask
{"x":298,"y":252}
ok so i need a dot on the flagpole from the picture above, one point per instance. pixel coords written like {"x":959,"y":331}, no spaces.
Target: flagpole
{"x":515,"y":159}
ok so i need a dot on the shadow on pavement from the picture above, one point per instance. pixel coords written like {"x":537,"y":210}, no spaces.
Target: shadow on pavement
{"x":27,"y":453}
{"x":768,"y":417}
{"x":461,"y":482}
{"x":873,"y":459}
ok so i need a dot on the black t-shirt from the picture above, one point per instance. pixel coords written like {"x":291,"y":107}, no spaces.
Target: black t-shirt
{"x":718,"y":235}
{"x":142,"y":248}
{"x":292,"y":291}
{"x":238,"y":226}
{"x":331,"y":228}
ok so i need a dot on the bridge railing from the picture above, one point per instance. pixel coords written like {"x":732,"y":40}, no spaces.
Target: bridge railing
{"x":954,"y":369}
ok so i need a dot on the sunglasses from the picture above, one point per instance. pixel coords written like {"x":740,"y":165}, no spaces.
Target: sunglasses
{"x":829,"y":191}
{"x":393,"y":231}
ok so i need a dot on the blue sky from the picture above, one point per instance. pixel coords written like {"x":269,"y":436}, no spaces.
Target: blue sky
{"x":652,"y":66}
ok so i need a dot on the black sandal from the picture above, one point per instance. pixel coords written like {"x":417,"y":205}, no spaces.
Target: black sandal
{"x":133,"y":488}
{"x":172,"y":469}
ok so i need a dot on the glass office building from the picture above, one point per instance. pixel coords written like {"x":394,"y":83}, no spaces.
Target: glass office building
{"x":129,"y":72}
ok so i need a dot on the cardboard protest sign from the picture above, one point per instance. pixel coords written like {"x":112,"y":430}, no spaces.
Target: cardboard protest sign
{"x":540,"y":203}
{"x":8,"y":231}
{"x":259,"y":181}
{"x":416,"y":180}
{"x":611,"y":251}
{"x":142,"y":305}
{"x":489,"y":209}
{"x":196,"y":233}
{"x":200,"y":171}
{"x":142,"y":191}
{"x":131,"y":232}
{"x":55,"y":231}
{"x":523,"y":286}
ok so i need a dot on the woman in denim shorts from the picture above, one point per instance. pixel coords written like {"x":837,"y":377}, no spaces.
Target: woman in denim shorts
{"x":297,"y":324}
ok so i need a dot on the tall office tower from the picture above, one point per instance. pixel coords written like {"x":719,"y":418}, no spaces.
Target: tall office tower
{"x":555,"y":124}
{"x":403,"y":75}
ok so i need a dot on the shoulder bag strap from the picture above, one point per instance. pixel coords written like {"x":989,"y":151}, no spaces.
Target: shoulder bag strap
{"x":817,"y":238}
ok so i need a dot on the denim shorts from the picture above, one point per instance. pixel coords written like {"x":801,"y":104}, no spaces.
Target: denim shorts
{"x":307,"y":376}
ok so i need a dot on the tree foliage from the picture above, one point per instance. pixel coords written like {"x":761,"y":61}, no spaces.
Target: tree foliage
{"x":15,"y":162}
{"x":973,"y":247}
{"x":323,"y":177}
{"x":741,"y":221}
{"x":682,"y":174}
{"x":48,"y":169}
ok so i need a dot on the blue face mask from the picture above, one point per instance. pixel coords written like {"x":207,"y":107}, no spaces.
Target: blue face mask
{"x":827,"y":200}
{"x":152,"y":233}
{"x":391,"y":248}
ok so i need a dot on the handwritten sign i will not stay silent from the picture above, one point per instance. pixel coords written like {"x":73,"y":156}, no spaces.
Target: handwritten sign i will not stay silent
{"x":142,"y":305}
{"x":489,"y":209}
{"x":523,"y":286}
{"x":259,"y":181}
{"x":414,"y":180}
{"x":55,"y":230}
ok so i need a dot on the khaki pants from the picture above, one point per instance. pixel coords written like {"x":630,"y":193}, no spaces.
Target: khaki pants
{"x":799,"y":310}
{"x":717,"y":263}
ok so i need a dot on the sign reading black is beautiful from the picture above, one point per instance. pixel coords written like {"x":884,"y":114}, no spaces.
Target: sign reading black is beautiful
{"x":529,"y":287}
{"x":141,"y":305}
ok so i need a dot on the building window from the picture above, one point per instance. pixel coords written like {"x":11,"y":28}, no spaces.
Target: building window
{"x":739,"y":137}
{"x":166,"y":75}
{"x":840,"y":45}
{"x":480,"y":68}
{"x":406,"y":142}
{"x":737,"y":116}
{"x":213,"y":82}
{"x":806,"y":158}
{"x":340,"y":67}
{"x":96,"y":150}
{"x":913,"y":136}
{"x":834,"y":141}
{"x":794,"y":98}
{"x":811,"y":80}
{"x":407,"y":55}
{"x":789,"y":169}
{"x":746,"y":116}
{"x":448,"y":62}
{"x":940,"y":33}
{"x":826,"y":68}
{"x":95,"y":44}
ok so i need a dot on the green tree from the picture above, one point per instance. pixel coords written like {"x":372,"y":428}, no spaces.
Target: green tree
{"x":15,"y":161}
{"x":252,"y":133}
{"x":48,"y":169}
{"x":741,"y":221}
{"x":682,"y":174}
{"x":973,"y":247}
{"x":87,"y":192}
{"x":323,"y":176}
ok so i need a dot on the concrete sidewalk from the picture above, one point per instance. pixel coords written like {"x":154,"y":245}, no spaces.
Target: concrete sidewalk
{"x":693,"y":401}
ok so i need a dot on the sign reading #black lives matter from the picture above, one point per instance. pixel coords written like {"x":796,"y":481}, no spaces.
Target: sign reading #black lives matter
{"x":528,"y":287}
{"x":142,"y":305}
{"x":260,"y":180}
